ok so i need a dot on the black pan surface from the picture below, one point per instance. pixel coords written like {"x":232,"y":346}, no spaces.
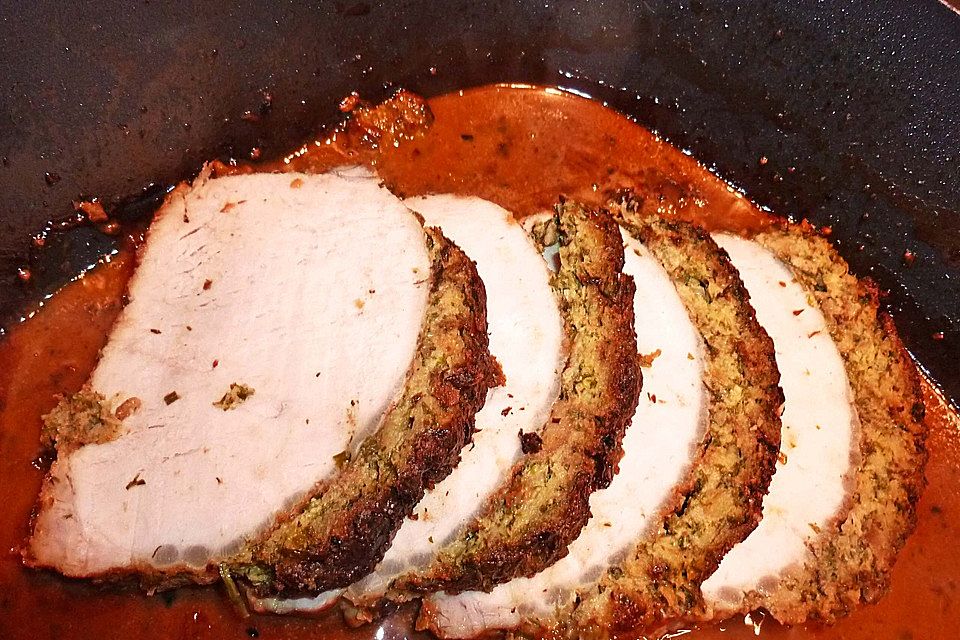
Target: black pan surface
{"x":855,"y":106}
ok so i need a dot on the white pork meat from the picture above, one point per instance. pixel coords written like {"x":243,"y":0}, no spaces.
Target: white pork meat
{"x":526,"y":337}
{"x":306,"y":292}
{"x":659,"y":446}
{"x":818,"y":442}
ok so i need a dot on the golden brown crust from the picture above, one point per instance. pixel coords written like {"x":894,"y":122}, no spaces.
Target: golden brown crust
{"x":347,"y":526}
{"x":851,"y":562}
{"x":457,"y":388}
{"x":719,"y":503}
{"x":528,"y":523}
{"x":80,"y":419}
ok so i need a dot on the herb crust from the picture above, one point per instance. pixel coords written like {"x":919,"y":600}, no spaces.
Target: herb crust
{"x":527,"y":524}
{"x":345,"y":528}
{"x":719,"y":503}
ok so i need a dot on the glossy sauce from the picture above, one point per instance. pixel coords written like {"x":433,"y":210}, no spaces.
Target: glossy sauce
{"x":520,"y":147}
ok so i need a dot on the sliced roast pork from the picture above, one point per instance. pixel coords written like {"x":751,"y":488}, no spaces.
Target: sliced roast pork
{"x":817,"y":448}
{"x":345,"y":528}
{"x":718,"y":503}
{"x":272,"y":323}
{"x":850,"y":547}
{"x":526,"y":337}
{"x":659,"y":445}
{"x":530,"y":519}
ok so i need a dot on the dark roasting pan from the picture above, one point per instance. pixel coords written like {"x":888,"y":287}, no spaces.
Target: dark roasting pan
{"x":855,"y":106}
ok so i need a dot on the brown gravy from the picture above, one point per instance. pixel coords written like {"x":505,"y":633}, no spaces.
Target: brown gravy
{"x":519,"y":147}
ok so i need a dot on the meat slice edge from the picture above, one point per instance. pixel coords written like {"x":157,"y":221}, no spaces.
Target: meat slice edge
{"x":526,"y":336}
{"x":817,"y":450}
{"x":308,"y":291}
{"x":719,"y":503}
{"x":528,"y":522}
{"x":659,"y":445}
{"x":343,"y":531}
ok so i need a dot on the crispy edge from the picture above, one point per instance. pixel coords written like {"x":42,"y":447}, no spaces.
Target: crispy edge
{"x":851,"y":561}
{"x":527,"y":524}
{"x":720,"y":501}
{"x":346,"y":528}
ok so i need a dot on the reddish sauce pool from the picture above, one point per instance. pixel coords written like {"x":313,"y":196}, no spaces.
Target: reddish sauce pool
{"x":520,"y":147}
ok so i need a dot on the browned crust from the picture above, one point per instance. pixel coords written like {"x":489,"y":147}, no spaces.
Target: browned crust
{"x":719,"y":503}
{"x":430,"y":424}
{"x":851,"y":561}
{"x":402,"y":116}
{"x":345,"y":529}
{"x":544,"y":503}
{"x":80,"y":419}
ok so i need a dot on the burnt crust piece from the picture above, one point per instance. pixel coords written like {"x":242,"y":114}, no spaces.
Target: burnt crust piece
{"x":719,"y":503}
{"x":344,"y":530}
{"x":851,"y":561}
{"x":544,"y":503}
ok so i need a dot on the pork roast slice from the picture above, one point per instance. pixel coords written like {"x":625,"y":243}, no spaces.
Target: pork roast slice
{"x":347,"y":525}
{"x":527,"y":523}
{"x":271,"y":322}
{"x":850,"y":559}
{"x":658,"y":447}
{"x":817,"y":447}
{"x":526,"y":337}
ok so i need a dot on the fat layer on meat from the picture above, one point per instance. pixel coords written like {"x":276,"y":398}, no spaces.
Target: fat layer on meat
{"x":306,"y":292}
{"x":305,"y":605}
{"x":658,"y":448}
{"x":817,"y":445}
